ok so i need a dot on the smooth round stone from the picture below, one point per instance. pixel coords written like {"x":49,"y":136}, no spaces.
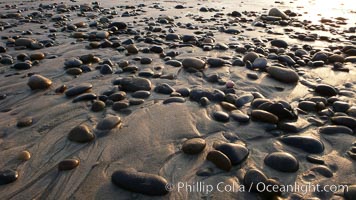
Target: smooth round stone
{"x":260,"y":63}
{"x":22,"y":66}
{"x":133,"y":84}
{"x":139,"y":182}
{"x":217,"y":62}
{"x":279,"y":43}
{"x":81,"y":134}
{"x":174,"y":100}
{"x":106,"y":69}
{"x":132,"y":49}
{"x":323,"y":170}
{"x":77,"y":90}
{"x":344,"y":121}
{"x":174,"y":63}
{"x":39,"y":82}
{"x":74,"y":71}
{"x":172,"y":37}
{"x":325,"y":90}
{"x":351,"y":59}
{"x":184,"y":92}
{"x":73,"y":62}
{"x":24,"y":122}
{"x":68,"y":164}
{"x":237,"y":153}
{"x":37,"y":56}
{"x":142,"y":94}
{"x":264,"y":116}
{"x":238,"y":62}
{"x":193,"y":146}
{"x":320,"y":56}
{"x":282,"y":161}
{"x":135,"y":102}
{"x":219,"y":159}
{"x":335,"y":129}
{"x":277,"y":13}
{"x":253,"y":177}
{"x":350,"y":194}
{"x":164,"y":89}
{"x":146,"y":61}
{"x":227,"y":106}
{"x":118,"y":25}
{"x":108,"y":123}
{"x":98,"y":106}
{"x":102,"y":34}
{"x":244,"y":99}
{"x":193,"y":63}
{"x":8,"y":176}
{"x":117,"y":96}
{"x":24,"y":42}
{"x":221,"y":116}
{"x":250,"y":56}
{"x":239,"y":116}
{"x":341,"y":106}
{"x":24,"y":156}
{"x":283,"y":74}
{"x":306,"y":143}
{"x":117,"y":106}
{"x":308,"y":106}
{"x":336,"y":58}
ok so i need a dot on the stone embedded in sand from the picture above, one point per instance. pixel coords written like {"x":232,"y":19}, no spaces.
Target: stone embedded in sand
{"x":133,"y":84}
{"x":174,"y":100}
{"x":146,"y":61}
{"x":264,"y":116}
{"x":221,"y":116}
{"x":351,"y":59}
{"x":172,"y":37}
{"x":350,"y":192}
{"x":308,"y":106}
{"x":227,"y":106}
{"x":22,"y":65}
{"x":81,"y":134}
{"x":335,"y":129}
{"x":73,"y":62}
{"x":195,"y":63}
{"x":27,"y":42}
{"x":74,"y":71}
{"x":108,"y":123}
{"x":283,"y":74}
{"x":239,"y":116}
{"x":117,"y":96}
{"x":77,"y":90}
{"x":282,"y":161}
{"x":8,"y":176}
{"x":139,"y":182}
{"x":117,"y":106}
{"x":341,"y":106}
{"x":237,"y":153}
{"x":164,"y":88}
{"x":336,"y":58}
{"x":68,"y":164}
{"x":24,"y":156}
{"x":250,"y":56}
{"x":279,"y":43}
{"x":37,"y":56}
{"x":118,"y":25}
{"x":106,"y":69}
{"x":325,"y":90}
{"x":217,"y":62}
{"x":253,"y":177}
{"x":102,"y":34}
{"x":260,"y":63}
{"x":156,"y":49}
{"x":323,"y":170}
{"x":24,"y":122}
{"x":277,"y":13}
{"x":193,"y":146}
{"x":219,"y":159}
{"x":243,"y":99}
{"x":132,"y":49}
{"x":344,"y":121}
{"x":39,"y":82}
{"x":98,"y":106}
{"x":306,"y":143}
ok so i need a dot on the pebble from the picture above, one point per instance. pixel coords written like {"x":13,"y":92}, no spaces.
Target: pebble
{"x":250,"y":56}
{"x":39,"y":82}
{"x":219,"y":159}
{"x":323,"y":170}
{"x":237,"y":153}
{"x":239,"y":116}
{"x":73,"y":62}
{"x":139,"y":182}
{"x":260,"y":63}
{"x":117,"y":96}
{"x":264,"y":116}
{"x":340,"y":106}
{"x":74,"y":71}
{"x":133,"y":84}
{"x":81,"y":134}
{"x":221,"y":116}
{"x":195,"y":63}
{"x":142,"y":94}
{"x":131,"y":49}
{"x":8,"y":176}
{"x":24,"y":122}
{"x":277,"y":13}
{"x":37,"y":56}
{"x":108,"y":123}
{"x":106,"y":69}
{"x":308,"y":106}
{"x":174,"y":100}
{"x":253,"y":177}
{"x":283,"y":74}
{"x":164,"y":88}
{"x":27,"y":42}
{"x":325,"y":90}
{"x":85,"y":97}
{"x":193,"y":146}
{"x":24,"y":156}
{"x":344,"y":121}
{"x":335,"y":129}
{"x":117,"y":106}
{"x":77,"y":90}
{"x":306,"y":143}
{"x":22,"y":65}
{"x":98,"y":106}
{"x":68,"y":164}
{"x":282,"y":161}
{"x":279,"y":43}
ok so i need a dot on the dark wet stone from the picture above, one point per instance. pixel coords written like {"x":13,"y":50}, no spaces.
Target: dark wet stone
{"x":139,"y":182}
{"x":254,"y":177}
{"x":279,"y":43}
{"x":315,"y":159}
{"x":239,"y":116}
{"x":281,"y":111}
{"x":193,"y":63}
{"x":341,"y":106}
{"x":193,"y":146}
{"x":117,"y":106}
{"x":85,"y":97}
{"x":323,"y":170}
{"x":117,"y":96}
{"x":108,"y":123}
{"x":307,"y":143}
{"x":351,"y":59}
{"x":146,"y":61}
{"x":174,"y":100}
{"x":320,"y":56}
{"x":264,"y":116}
{"x":131,"y":49}
{"x":68,"y":164}
{"x":282,"y":161}
{"x":283,"y":74}
{"x":277,"y":13}
{"x":164,"y":89}
{"x":27,"y":42}
{"x":22,"y":65}
{"x":204,"y":101}
{"x":227,"y":106}
{"x":81,"y":134}
{"x":259,"y":101}
{"x":24,"y":122}
{"x":8,"y":176}
{"x":213,"y":95}
{"x":221,"y":116}
{"x":77,"y":90}
{"x":286,"y":59}
{"x":184,"y":92}
{"x":325,"y":90}
{"x":260,"y":63}
{"x":174,"y":63}
{"x":217,"y":62}
{"x":238,"y":62}
{"x":336,"y":58}
{"x":335,"y":129}
{"x":308,"y":106}
{"x":98,"y":106}
{"x":106,"y":69}
{"x":244,"y":99}
{"x":350,"y":193}
{"x":74,"y":71}
{"x":74,"y":62}
{"x":156,"y":49}
{"x":172,"y":37}
{"x":219,"y":159}
{"x":39,"y":82}
{"x":118,"y":25}
{"x":344,"y":121}
{"x":133,"y":84}
{"x":142,"y":94}
{"x":250,"y":56}
{"x":237,"y":153}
